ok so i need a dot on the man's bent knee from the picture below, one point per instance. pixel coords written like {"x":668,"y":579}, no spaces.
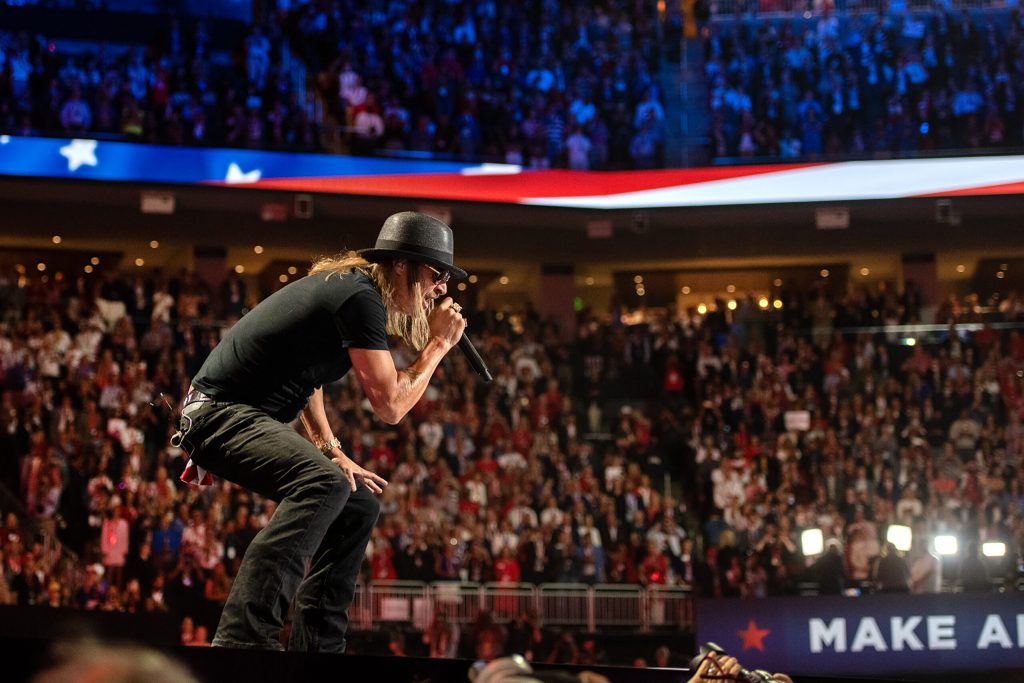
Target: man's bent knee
{"x":368,"y":508}
{"x":329,"y":487}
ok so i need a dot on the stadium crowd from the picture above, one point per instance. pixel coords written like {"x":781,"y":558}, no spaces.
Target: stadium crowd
{"x":555,"y":472}
{"x":182,"y":90}
{"x":872,"y":84}
{"x":540,"y":84}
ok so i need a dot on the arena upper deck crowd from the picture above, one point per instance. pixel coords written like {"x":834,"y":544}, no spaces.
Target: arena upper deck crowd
{"x":542,"y":84}
{"x":538,"y":84}
{"x":180,"y":90}
{"x":872,"y":84}
{"x":555,"y":472}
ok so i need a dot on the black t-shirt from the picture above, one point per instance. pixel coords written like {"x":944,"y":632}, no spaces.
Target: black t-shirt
{"x":294,"y":341}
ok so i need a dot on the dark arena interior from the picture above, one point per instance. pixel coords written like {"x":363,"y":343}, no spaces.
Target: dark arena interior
{"x":746,"y":283}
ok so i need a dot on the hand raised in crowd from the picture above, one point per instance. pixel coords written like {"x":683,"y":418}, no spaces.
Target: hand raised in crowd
{"x":724,"y":668}
{"x":717,"y":668}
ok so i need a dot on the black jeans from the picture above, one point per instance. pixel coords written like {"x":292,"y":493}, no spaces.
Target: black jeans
{"x":319,"y":520}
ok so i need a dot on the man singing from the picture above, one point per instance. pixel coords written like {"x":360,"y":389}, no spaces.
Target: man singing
{"x":271,"y":368}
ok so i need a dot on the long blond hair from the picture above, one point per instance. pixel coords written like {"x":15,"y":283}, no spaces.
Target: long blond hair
{"x":413,"y":328}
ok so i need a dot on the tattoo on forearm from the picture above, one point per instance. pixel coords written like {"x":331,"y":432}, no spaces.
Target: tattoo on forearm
{"x":413,"y":374}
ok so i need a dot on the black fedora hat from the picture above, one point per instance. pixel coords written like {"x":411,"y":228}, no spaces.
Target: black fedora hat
{"x":417,"y":237}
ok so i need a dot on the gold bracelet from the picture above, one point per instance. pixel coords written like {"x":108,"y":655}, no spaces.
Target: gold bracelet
{"x":327,"y":446}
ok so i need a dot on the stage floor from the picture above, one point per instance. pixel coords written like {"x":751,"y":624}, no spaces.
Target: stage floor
{"x":29,"y":638}
{"x":25,"y":657}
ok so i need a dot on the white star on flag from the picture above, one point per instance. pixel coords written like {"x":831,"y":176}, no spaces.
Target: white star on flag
{"x":235,"y":175}
{"x":79,"y":153}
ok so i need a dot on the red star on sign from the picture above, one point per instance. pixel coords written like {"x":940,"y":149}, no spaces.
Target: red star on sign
{"x":753,"y":637}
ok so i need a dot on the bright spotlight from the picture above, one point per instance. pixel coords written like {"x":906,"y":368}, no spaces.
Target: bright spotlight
{"x":946,"y":544}
{"x":812,"y":542}
{"x":899,"y":535}
{"x":993,"y":549}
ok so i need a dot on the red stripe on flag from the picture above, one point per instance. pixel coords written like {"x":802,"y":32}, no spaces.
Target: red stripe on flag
{"x":511,"y":188}
{"x":1002,"y":188}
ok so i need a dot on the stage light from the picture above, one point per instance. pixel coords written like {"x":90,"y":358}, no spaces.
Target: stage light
{"x":40,"y":266}
{"x":702,"y":309}
{"x":95,"y":260}
{"x":812,"y":541}
{"x":57,"y":239}
{"x":462,"y":287}
{"x":824,"y":272}
{"x":473,"y":279}
{"x":239,"y":269}
{"x":777,"y":304}
{"x":88,"y":269}
{"x":732,"y":304}
{"x":638,"y":279}
{"x":589,"y":281}
{"x":961,"y":268}
{"x":292,"y":270}
{"x":900,"y":536}
{"x":731,"y":288}
{"x":153,"y":244}
{"x":910,"y":341}
{"x":946,"y":544}
{"x":762,"y":302}
{"x":282,"y":278}
{"x":777,"y":282}
{"x":865,"y":272}
{"x":640,"y":291}
{"x":1000,"y":275}
{"x":993,"y":549}
{"x":503,"y":280}
{"x":258,"y":249}
{"x":140,"y":262}
{"x":685,"y":290}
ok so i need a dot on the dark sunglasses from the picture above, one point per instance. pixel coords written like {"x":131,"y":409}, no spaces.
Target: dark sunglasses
{"x":440,"y":276}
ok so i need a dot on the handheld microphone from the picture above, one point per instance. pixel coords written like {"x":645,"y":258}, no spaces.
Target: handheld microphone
{"x":473,"y":356}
